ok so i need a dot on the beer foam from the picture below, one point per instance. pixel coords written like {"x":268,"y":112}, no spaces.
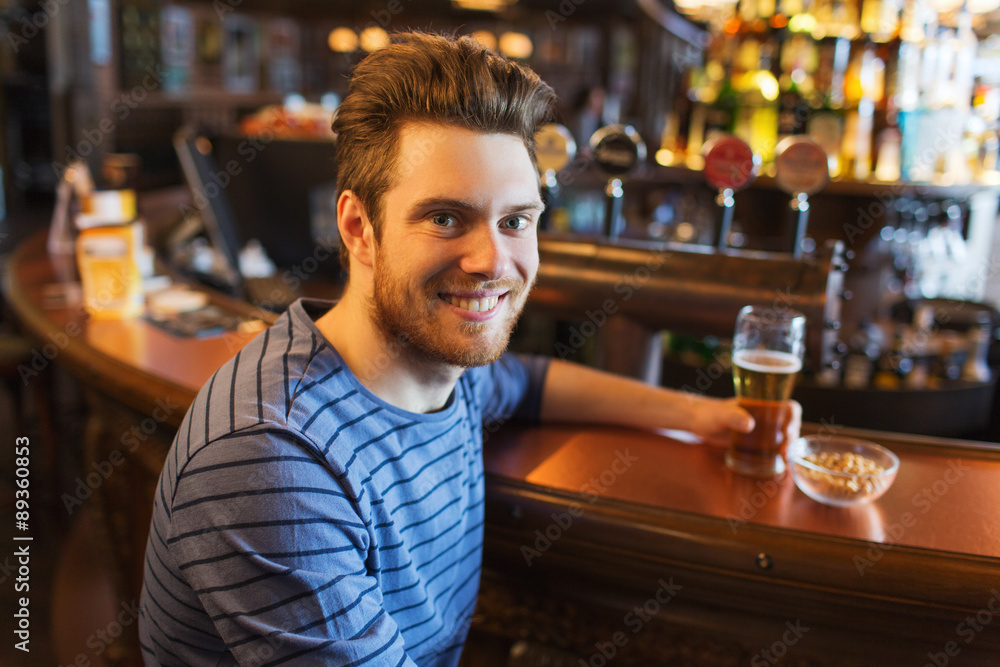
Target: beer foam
{"x":767,"y":361}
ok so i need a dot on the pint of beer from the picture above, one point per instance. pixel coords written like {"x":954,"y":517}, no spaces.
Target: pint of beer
{"x":768,"y":347}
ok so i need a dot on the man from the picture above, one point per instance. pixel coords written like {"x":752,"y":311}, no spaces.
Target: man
{"x":323,"y":501}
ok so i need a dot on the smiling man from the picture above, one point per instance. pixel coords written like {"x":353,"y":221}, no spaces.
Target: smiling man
{"x":323,"y":501}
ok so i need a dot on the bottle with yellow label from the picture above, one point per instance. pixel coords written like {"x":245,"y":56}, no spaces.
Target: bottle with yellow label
{"x":108,"y":249}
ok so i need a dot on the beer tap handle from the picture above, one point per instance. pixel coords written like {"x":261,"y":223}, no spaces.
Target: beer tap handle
{"x":728,"y":203}
{"x":614,"y":221}
{"x":801,"y":169}
{"x":730,"y":165}
{"x":618,"y":150}
{"x":800,"y":204}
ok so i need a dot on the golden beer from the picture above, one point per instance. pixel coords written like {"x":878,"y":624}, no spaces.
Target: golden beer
{"x":763,"y":380}
{"x":765,"y":375}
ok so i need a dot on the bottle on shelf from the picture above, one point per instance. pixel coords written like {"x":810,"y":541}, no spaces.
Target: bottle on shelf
{"x":895,"y":364}
{"x":870,"y":87}
{"x":918,"y":347}
{"x":910,"y":115}
{"x":796,"y":87}
{"x":757,"y":110}
{"x":976,"y":368}
{"x":862,"y":354}
{"x":826,"y":125}
{"x":947,"y":366}
{"x":713,"y":96}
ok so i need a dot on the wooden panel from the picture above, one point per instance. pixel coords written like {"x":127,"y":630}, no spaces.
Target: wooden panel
{"x":867,"y":596}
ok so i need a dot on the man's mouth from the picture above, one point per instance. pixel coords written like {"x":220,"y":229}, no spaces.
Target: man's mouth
{"x":475,"y":305}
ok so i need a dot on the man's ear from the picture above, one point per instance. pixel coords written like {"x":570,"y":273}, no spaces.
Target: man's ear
{"x":356,"y":231}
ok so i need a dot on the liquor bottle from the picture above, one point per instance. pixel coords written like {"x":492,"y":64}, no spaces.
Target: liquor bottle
{"x":721,"y":112}
{"x":757,"y":114}
{"x":853,"y":95}
{"x":918,"y":347}
{"x":961,"y":155}
{"x":880,"y":19}
{"x":826,"y":125}
{"x":714,"y":99}
{"x":795,"y":83}
{"x":947,"y":365}
{"x":861,"y":358}
{"x":976,"y":368}
{"x":909,"y":112}
{"x":894,"y":364}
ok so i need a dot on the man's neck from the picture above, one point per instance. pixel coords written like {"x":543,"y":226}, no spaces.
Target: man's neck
{"x":387,"y":367}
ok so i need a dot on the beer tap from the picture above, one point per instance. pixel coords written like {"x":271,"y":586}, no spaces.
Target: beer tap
{"x":730,"y":166}
{"x":554,"y":149}
{"x":801,"y":169}
{"x":618,"y":150}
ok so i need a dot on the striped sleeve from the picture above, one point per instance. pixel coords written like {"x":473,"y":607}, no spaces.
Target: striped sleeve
{"x":511,"y":388}
{"x":260,"y":507}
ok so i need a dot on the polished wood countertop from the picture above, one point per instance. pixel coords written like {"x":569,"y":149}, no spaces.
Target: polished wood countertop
{"x":946,"y":495}
{"x":131,"y":360}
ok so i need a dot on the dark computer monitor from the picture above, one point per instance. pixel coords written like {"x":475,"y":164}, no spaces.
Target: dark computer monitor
{"x":282,"y":193}
{"x":212,"y":202}
{"x":279,"y":192}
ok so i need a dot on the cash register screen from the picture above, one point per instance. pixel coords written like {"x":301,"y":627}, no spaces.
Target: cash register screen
{"x":282,"y":193}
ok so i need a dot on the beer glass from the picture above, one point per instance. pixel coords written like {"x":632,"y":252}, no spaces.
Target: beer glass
{"x":768,"y":348}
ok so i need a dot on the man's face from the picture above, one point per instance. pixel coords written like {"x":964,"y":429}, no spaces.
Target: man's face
{"x":459,"y":250}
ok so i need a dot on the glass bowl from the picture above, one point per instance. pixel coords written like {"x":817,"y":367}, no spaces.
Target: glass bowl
{"x":841,"y":471}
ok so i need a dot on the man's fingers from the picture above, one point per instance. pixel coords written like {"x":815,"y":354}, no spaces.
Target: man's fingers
{"x":740,"y":420}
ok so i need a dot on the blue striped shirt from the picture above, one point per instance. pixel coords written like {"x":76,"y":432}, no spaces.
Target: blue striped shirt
{"x":301,"y":520}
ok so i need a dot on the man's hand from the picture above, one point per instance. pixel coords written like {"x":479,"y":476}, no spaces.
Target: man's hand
{"x":715,"y":420}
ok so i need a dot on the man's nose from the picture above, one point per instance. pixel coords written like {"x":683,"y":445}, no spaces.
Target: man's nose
{"x":485,"y":253}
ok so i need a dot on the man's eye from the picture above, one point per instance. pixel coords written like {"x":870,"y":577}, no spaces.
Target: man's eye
{"x":443,"y":220}
{"x":517,"y":222}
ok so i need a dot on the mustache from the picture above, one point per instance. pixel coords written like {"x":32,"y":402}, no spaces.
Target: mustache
{"x":503,"y":284}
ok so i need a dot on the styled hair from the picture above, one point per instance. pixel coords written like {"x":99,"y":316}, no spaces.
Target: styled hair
{"x":422,"y":77}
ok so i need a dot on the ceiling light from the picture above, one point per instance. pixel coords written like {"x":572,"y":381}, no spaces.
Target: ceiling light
{"x":516,"y":45}
{"x":486,"y":38}
{"x":342,"y":40}
{"x":483,"y":5}
{"x":374,"y":38}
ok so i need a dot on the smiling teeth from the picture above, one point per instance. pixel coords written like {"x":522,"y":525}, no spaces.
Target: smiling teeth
{"x":474,"y":305}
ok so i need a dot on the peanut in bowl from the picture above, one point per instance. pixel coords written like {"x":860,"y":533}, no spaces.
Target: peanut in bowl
{"x":841,"y":471}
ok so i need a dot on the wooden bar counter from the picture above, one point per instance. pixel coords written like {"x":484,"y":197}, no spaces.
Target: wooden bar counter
{"x":608,"y":546}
